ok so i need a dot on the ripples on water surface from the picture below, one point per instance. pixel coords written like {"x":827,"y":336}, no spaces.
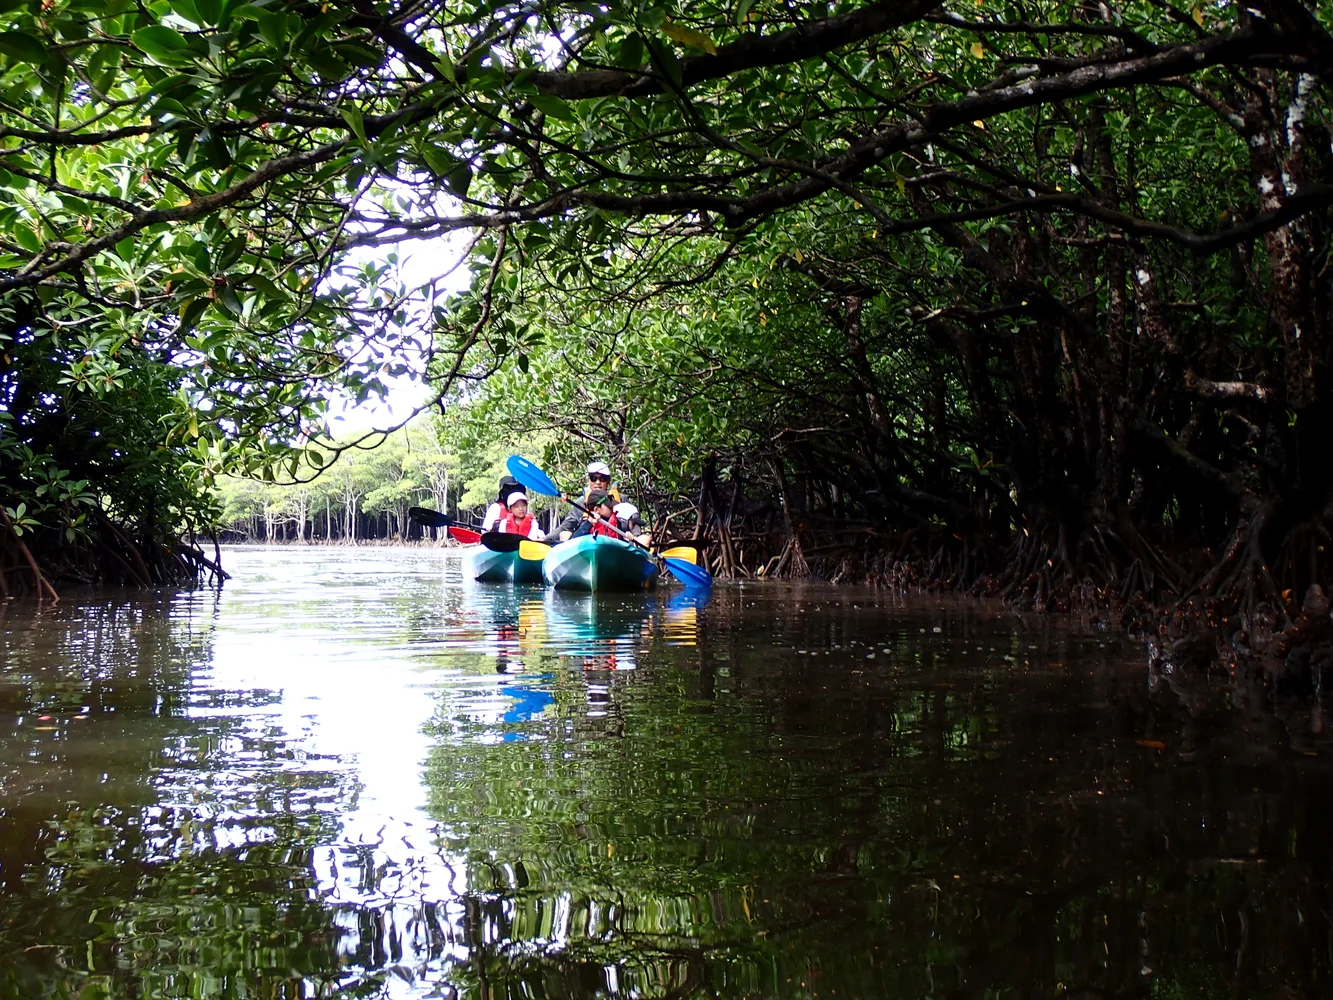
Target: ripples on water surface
{"x":350,"y":774}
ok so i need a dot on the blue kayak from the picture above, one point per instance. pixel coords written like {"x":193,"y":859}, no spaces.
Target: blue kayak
{"x":595,"y":563}
{"x":480,"y":563}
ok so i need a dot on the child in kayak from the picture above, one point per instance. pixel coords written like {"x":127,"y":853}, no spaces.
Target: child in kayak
{"x":498,"y":508}
{"x":601,"y":515}
{"x":517,"y":520}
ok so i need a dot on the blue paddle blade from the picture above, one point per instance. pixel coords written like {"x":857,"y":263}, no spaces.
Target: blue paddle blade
{"x":531,"y":476}
{"x":691,"y":576}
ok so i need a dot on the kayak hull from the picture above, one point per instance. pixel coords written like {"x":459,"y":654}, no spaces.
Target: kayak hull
{"x":480,"y":563}
{"x":593,"y":564}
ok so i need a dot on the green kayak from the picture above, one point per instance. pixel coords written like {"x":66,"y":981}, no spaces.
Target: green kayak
{"x":598,"y":563}
{"x":480,"y":563}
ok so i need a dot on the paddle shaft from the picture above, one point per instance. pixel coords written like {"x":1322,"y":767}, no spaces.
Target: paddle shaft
{"x":623,"y":534}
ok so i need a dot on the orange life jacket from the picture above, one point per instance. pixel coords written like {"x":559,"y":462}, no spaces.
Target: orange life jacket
{"x":512,"y":525}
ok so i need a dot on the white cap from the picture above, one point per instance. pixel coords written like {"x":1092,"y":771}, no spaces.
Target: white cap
{"x":515,"y":498}
{"x":626,"y":510}
{"x":600,"y":467}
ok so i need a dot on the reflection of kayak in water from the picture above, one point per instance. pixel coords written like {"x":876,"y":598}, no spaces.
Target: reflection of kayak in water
{"x":596,"y":564}
{"x":595,"y":624}
{"x":480,"y":563}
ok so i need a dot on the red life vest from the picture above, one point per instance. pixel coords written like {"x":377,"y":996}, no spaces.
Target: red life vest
{"x":512,"y":525}
{"x":601,"y":528}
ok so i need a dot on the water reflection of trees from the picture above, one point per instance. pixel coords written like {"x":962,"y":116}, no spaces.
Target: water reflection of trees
{"x":932,"y":824}
{"x":148,"y":847}
{"x":739,"y":817}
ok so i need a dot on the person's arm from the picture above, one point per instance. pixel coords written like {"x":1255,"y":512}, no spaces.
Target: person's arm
{"x":582,"y":528}
{"x":492,"y":515}
{"x":567,"y":525}
{"x":535,"y":533}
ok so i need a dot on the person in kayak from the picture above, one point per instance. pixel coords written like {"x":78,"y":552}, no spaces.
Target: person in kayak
{"x":600,"y":517}
{"x":599,"y":480}
{"x":629,"y":521}
{"x":517,"y":520}
{"x":498,"y":508}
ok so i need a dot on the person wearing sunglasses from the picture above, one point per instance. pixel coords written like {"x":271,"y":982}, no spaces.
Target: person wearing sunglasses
{"x":599,"y":480}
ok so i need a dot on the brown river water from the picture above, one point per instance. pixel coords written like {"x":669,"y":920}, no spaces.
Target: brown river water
{"x":352,"y":774}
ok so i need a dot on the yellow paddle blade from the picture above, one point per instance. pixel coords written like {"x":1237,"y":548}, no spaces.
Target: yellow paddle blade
{"x":686,"y":552}
{"x":532,"y":551}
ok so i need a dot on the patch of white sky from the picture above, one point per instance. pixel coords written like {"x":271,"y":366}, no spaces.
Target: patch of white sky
{"x":433,"y":268}
{"x":428,"y":270}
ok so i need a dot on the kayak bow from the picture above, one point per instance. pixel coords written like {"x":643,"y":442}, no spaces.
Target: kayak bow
{"x":595,"y":563}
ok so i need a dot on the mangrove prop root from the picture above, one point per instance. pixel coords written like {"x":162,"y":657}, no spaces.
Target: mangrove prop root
{"x":40,"y":582}
{"x":1244,"y":613}
{"x":105,"y":555}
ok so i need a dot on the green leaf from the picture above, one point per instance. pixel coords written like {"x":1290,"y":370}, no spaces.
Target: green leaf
{"x":274,"y":29}
{"x":103,"y":67}
{"x":26,"y":238}
{"x":329,"y":67}
{"x":164,"y":46}
{"x":665,"y":58}
{"x":352,"y":116}
{"x":191,"y":310}
{"x":261,"y":283}
{"x":187,"y":10}
{"x":689,"y":37}
{"x":441,"y":161}
{"x":20,"y":46}
{"x":359,"y":55}
{"x":552,"y":106}
{"x":743,"y":10}
{"x":459,"y":179}
{"x":230,"y":301}
{"x":631,"y":51}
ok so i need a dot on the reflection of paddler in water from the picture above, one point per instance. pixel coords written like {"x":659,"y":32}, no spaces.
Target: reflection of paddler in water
{"x":517,"y":640}
{"x":522,"y":638}
{"x":503,"y":621}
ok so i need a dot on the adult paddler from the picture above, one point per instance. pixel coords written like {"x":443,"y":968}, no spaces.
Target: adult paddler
{"x":599,"y":480}
{"x":500,"y":506}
